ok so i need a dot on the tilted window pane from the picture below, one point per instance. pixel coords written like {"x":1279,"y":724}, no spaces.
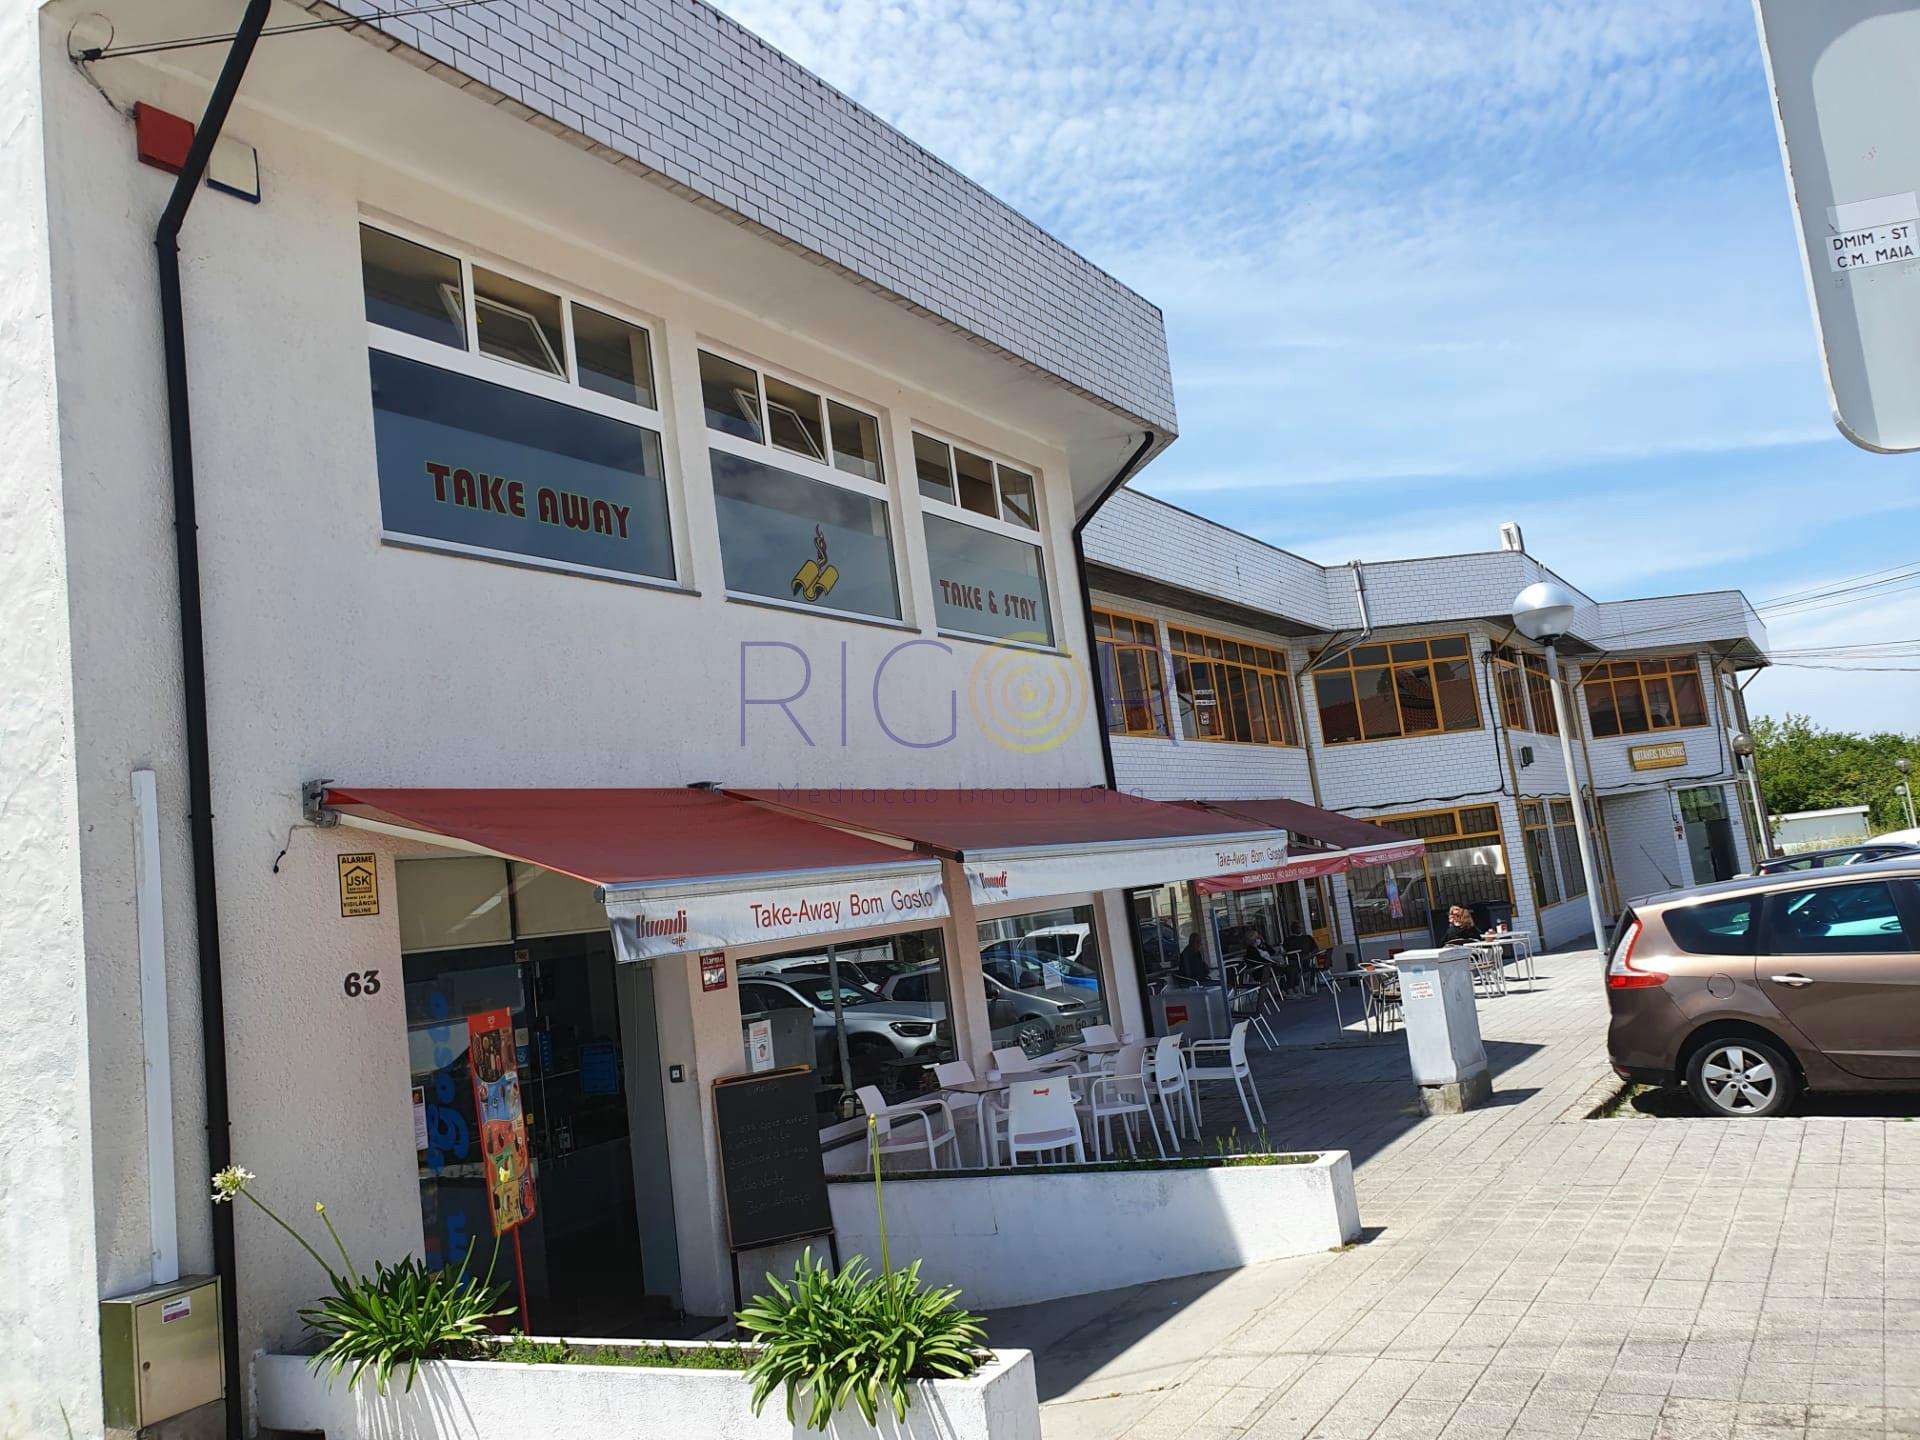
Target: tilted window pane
{"x":987,"y":584}
{"x":1339,"y":716}
{"x":518,"y":322}
{"x":976,"y":483}
{"x":731,"y":394}
{"x":856,"y":441}
{"x":793,"y":419}
{"x":1688,"y":699}
{"x":791,"y":538}
{"x":491,"y":467}
{"x":932,"y":462}
{"x":1016,"y":498}
{"x":1379,"y":715}
{"x":612,"y":357}
{"x":413,"y":289}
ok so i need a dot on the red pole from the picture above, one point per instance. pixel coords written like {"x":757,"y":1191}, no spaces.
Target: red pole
{"x":520,"y":1270}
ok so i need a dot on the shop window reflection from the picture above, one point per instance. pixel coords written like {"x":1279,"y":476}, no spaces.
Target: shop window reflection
{"x":1043,"y":978}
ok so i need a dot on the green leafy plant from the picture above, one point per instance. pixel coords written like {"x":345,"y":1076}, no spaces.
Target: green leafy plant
{"x":857,"y":1337}
{"x":401,"y":1314}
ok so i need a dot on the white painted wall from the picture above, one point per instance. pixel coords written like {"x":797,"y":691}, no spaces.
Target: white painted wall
{"x":49,"y":1334}
{"x":333,"y":655}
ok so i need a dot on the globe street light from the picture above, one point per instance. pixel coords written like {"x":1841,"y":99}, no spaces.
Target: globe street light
{"x":1905,"y":787}
{"x":1743,"y":746}
{"x":1544,"y":612}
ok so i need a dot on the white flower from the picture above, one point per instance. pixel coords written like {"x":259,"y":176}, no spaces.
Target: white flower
{"x":229,"y":1183}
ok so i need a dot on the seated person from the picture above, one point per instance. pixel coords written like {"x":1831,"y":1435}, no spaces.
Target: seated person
{"x":1460,"y":927}
{"x":1192,"y":964}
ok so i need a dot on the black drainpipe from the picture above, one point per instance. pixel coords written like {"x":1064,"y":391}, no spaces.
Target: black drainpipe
{"x":1086,"y":598}
{"x":193,"y":668}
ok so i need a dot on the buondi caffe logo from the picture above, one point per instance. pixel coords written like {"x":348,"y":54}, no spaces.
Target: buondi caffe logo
{"x":1026,"y":700}
{"x":818,"y":576}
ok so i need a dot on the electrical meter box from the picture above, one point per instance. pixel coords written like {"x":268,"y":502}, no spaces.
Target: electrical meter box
{"x":160,"y":1352}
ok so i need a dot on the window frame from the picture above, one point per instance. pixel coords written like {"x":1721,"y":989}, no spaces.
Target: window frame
{"x":475,"y":364}
{"x":1343,"y":665}
{"x":1159,"y":685}
{"x":1536,"y":826}
{"x":765,"y":452}
{"x":993,"y":525}
{"x":1281,"y":677}
{"x":1673,"y":666}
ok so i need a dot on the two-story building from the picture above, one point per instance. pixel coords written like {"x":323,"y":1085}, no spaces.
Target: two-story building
{"x":567,"y":558}
{"x":1401,"y":694}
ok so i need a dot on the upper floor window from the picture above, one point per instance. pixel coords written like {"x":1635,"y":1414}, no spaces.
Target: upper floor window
{"x":989,"y":575}
{"x":1526,"y":696}
{"x":1633,"y":697}
{"x":812,"y":529}
{"x":1231,"y":690}
{"x":1130,"y":674}
{"x":1400,"y":687}
{"x":511,"y":421}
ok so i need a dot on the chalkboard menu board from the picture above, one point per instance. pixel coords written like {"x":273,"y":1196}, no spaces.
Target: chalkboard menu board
{"x":770,"y":1166}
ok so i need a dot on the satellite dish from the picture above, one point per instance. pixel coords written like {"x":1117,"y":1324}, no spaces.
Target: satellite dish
{"x":1847,"y":105}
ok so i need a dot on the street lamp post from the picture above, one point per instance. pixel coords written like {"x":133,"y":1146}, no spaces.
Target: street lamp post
{"x":1905,"y":787}
{"x":1743,"y":747}
{"x":1543,"y":612}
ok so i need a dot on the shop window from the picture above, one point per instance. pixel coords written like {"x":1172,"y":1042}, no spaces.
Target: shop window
{"x":1130,"y":674}
{"x":1637,"y":697}
{"x":893,"y":1021}
{"x":790,"y":537}
{"x":613,"y":356}
{"x":1465,"y":863}
{"x":1232,"y":690}
{"x":492,"y":470}
{"x":989,"y":579}
{"x":1538,"y":837}
{"x":412,"y":289}
{"x":518,"y":322}
{"x":1403,"y":687}
{"x":987,"y":583}
{"x":539,"y":446}
{"x":1566,"y":841}
{"x":1043,"y":978}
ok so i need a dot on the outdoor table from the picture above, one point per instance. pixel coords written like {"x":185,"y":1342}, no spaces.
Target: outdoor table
{"x":1362,"y":973}
{"x":1520,"y":944}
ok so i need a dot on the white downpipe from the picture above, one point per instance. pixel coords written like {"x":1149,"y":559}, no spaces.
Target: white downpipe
{"x":162,"y":1222}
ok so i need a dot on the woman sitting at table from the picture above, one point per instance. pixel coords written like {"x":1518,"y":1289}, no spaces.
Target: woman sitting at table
{"x":1460,"y":927}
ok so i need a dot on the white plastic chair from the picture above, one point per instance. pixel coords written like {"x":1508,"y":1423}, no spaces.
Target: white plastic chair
{"x":988,"y":1119}
{"x":1166,"y":1078}
{"x":1041,"y":1119}
{"x":1098,"y":1035}
{"x":927,"y":1110}
{"x":1236,"y":1069}
{"x":1122,"y":1095}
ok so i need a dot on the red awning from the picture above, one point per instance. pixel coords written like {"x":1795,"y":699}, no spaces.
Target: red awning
{"x":1348,"y":844}
{"x":1026,"y":842}
{"x":681,"y":869}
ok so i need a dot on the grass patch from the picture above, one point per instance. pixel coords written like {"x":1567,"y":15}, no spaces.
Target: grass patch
{"x":1621,"y":1099}
{"x":522,"y":1350}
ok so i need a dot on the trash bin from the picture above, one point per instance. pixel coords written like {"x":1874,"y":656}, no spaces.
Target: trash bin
{"x":1199,"y":1011}
{"x":1443,"y":1029}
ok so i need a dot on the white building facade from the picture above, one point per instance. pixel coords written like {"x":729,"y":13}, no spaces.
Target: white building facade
{"x":1401,"y":694}
{"x":588,"y":403}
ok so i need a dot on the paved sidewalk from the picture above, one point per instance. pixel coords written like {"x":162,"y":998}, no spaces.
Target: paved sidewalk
{"x":1526,"y":1271}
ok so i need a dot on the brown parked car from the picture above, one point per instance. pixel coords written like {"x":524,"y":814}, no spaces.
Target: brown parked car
{"x":1753,"y":990}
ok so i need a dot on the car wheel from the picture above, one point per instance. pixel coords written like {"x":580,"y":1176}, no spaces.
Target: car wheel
{"x":1736,"y":1076}
{"x":1035,"y":1037}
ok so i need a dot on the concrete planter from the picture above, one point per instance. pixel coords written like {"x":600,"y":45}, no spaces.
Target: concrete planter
{"x":1008,"y":1237}
{"x":495,"y":1400}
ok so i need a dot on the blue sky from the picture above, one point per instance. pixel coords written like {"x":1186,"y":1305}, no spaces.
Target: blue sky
{"x":1428,"y":265}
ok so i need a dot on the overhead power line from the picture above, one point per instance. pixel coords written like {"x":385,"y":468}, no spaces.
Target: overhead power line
{"x":111,"y":51}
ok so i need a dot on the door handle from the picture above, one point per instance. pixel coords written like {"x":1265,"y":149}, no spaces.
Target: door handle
{"x":1797,"y":981}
